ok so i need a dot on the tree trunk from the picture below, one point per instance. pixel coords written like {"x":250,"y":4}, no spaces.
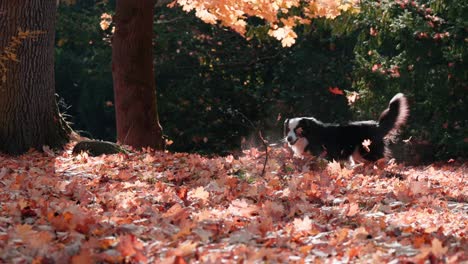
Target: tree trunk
{"x":132,"y":71}
{"x":29,"y":116}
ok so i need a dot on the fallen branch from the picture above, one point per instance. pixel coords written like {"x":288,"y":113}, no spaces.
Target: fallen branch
{"x":265,"y":144}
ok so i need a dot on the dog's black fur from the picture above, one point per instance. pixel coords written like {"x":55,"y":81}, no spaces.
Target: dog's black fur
{"x":343,"y":141}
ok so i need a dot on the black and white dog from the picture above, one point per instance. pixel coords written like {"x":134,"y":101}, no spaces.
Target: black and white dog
{"x":358,"y":141}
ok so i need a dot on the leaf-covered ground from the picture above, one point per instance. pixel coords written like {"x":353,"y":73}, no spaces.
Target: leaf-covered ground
{"x":160,"y":207}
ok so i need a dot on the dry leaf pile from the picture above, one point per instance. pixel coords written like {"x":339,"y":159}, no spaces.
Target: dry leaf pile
{"x":160,"y":207}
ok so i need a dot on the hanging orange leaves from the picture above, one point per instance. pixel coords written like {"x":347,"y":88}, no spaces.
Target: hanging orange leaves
{"x":275,"y":13}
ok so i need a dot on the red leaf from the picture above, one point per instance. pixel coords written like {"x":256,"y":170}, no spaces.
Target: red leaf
{"x":335,"y":90}
{"x":179,"y":260}
{"x":376,"y":67}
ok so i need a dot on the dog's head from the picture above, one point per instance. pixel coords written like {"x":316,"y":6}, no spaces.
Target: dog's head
{"x":292,"y":130}
{"x":298,"y":132}
{"x":295,"y":135}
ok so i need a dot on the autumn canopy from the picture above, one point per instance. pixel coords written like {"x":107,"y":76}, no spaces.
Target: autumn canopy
{"x":280,"y":15}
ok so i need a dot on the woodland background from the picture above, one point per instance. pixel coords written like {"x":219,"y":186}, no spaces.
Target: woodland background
{"x":213,"y":85}
{"x":215,"y":91}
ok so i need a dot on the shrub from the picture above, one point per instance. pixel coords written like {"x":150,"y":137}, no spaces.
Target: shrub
{"x":83,"y":69}
{"x":418,"y":48}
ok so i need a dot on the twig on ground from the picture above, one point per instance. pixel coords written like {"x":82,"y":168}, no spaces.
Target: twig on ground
{"x":265,"y":144}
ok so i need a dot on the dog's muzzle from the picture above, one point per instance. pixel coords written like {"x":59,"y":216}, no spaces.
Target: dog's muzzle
{"x":291,"y":140}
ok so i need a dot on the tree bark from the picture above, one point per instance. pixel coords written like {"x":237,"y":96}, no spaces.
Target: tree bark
{"x":132,"y":70}
{"x":29,"y":116}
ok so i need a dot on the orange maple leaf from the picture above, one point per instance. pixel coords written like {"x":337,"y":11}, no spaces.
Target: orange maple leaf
{"x":124,"y":175}
{"x":436,"y":249}
{"x":302,"y":224}
{"x":199,"y":193}
{"x":354,"y":252}
{"x":335,"y":90}
{"x":129,"y":245}
{"x":366,"y":143}
{"x":353,"y":209}
{"x":242,"y":208}
{"x":334,"y":167}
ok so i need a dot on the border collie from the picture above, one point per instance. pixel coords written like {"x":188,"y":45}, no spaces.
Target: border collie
{"x":356,"y":141}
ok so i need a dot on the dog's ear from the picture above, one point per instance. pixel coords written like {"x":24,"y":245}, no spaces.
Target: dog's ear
{"x":302,"y":128}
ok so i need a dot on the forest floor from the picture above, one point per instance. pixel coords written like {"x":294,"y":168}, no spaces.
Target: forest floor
{"x":162,"y":207}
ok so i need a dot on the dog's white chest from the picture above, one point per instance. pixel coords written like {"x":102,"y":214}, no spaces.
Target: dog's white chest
{"x":299,"y":147}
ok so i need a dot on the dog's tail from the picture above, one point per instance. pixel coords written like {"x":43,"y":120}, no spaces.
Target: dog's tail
{"x":395,"y":115}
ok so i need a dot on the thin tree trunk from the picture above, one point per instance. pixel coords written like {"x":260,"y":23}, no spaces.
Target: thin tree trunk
{"x":29,"y":116}
{"x":132,"y":70}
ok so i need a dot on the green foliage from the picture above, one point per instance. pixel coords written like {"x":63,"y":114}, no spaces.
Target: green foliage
{"x":215,"y":88}
{"x":418,"y":48}
{"x":83,"y":69}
